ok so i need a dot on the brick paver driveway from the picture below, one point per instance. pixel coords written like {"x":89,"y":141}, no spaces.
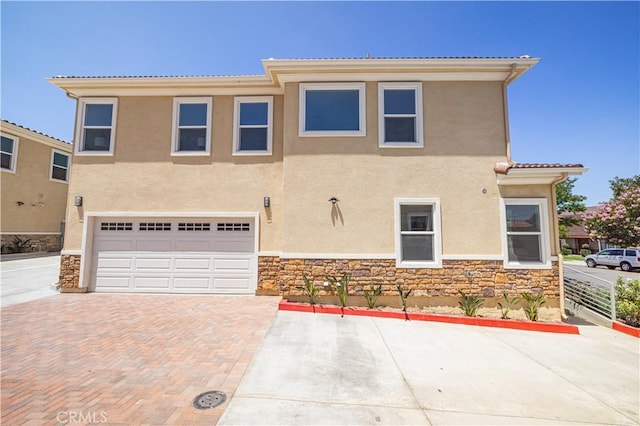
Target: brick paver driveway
{"x":126,"y":359}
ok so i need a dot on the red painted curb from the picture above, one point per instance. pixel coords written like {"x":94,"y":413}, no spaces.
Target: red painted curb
{"x":546,"y":327}
{"x":626,"y":329}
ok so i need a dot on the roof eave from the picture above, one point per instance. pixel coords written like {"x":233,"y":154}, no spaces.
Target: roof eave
{"x":538,"y":176}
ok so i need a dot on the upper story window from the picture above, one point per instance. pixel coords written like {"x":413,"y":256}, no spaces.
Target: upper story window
{"x":332,"y":109}
{"x":418,"y":238}
{"x":400,"y":115}
{"x":191,"y":126}
{"x":252,"y":129}
{"x":526,"y":232}
{"x":9,"y":153}
{"x":59,"y":166}
{"x":97,"y":123}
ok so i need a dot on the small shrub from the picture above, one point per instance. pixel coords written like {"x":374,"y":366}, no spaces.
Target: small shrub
{"x":404,"y":294}
{"x":310,"y":289}
{"x":534,"y":303}
{"x":470,"y":304}
{"x":585,"y":250}
{"x":18,"y":245}
{"x":372,"y":294}
{"x":566,"y":249}
{"x":506,"y":304}
{"x":628,"y":301}
{"x":340,"y":286}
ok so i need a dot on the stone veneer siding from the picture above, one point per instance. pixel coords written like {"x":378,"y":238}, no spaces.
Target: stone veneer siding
{"x":69,"y":271}
{"x":38,"y":243}
{"x":489,"y":278}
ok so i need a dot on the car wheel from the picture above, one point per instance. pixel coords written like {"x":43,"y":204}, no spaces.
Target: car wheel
{"x":625,"y":266}
{"x":611,"y":267}
{"x":591,"y":263}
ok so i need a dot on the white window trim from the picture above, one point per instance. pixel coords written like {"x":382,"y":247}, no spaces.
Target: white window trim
{"x":175,"y":129}
{"x":332,"y":86}
{"x":51,"y":165}
{"x":545,"y":249}
{"x":437,"y":233}
{"x":239,"y":100}
{"x":417,"y":88}
{"x":14,"y":154}
{"x":79,"y":145}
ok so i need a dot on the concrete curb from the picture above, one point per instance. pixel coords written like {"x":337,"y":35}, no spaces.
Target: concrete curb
{"x":626,"y":329}
{"x":546,"y":327}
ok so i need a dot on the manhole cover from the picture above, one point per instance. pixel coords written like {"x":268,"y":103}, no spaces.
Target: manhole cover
{"x":209,"y":400}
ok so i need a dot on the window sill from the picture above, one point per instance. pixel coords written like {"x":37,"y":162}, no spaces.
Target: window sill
{"x":190,"y":154}
{"x":400,"y":145}
{"x":418,"y":265}
{"x":252,"y":153}
{"x":330,"y":134}
{"x":8,"y":170}
{"x":95,"y":153}
{"x":58,"y":180}
{"x":525,"y":265}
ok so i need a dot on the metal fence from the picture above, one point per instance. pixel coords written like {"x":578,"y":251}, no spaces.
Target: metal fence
{"x":585,"y":290}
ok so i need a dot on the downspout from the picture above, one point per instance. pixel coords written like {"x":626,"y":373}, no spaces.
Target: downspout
{"x":506,"y":111}
{"x":556,"y":235}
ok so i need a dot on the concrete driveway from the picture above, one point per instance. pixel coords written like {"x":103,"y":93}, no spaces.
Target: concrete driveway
{"x":28,"y":277}
{"x":324,"y":369}
{"x":126,"y":359}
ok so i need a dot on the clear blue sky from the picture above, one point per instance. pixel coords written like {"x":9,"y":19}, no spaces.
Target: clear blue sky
{"x":579,"y":105}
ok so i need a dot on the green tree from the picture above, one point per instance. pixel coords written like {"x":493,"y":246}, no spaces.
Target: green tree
{"x":568,"y":202}
{"x":618,"y":220}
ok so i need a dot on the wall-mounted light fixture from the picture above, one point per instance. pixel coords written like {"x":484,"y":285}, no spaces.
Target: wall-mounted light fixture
{"x":20,"y":203}
{"x":333,"y":200}
{"x":77,"y":201}
{"x":266,"y":201}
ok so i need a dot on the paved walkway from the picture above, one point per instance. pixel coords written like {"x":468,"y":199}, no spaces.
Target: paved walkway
{"x":28,"y":276}
{"x":324,"y":369}
{"x":126,"y":359}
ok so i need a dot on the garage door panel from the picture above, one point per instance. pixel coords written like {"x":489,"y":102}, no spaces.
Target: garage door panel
{"x":114,"y":263}
{"x":150,"y":283}
{"x":154,"y":245}
{"x":238,"y":264}
{"x":153,"y":263}
{"x":231,"y":283}
{"x":116,"y":244}
{"x":189,"y":264}
{"x":113,"y":283}
{"x":203,"y":245}
{"x":191,"y":283}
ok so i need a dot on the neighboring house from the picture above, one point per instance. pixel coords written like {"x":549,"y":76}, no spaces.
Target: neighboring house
{"x":395,"y":170}
{"x":35,"y":175}
{"x":577,"y":235}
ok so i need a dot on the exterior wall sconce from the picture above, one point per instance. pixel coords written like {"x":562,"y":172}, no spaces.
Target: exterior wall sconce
{"x":333,"y":200}
{"x":267,"y":201}
{"x":77,"y":202}
{"x":20,"y":203}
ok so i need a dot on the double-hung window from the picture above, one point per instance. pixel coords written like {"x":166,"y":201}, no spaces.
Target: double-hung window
{"x":191,"y":126}
{"x":59,"y":166}
{"x":97,"y":123}
{"x":526,"y":232}
{"x":252,"y":130}
{"x":400,"y":115}
{"x":332,"y":109}
{"x":9,"y":153}
{"x":417,"y":233}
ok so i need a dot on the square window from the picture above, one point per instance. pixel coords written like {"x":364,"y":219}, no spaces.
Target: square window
{"x":191,"y":132}
{"x":526,"y":233}
{"x":59,"y":166}
{"x":96,"y":126}
{"x":418,"y":233}
{"x":252,"y":131}
{"x":336,"y":109}
{"x":8,"y":153}
{"x":400,"y":115}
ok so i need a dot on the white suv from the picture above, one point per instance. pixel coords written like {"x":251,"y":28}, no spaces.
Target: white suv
{"x":626,"y":259}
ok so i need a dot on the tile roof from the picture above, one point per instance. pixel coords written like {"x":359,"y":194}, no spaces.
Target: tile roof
{"x":34,"y":131}
{"x":544,"y":166}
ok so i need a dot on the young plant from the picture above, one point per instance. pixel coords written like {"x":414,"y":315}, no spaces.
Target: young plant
{"x":404,"y":294}
{"x":506,"y":305}
{"x":340,"y":286}
{"x":372,"y":294}
{"x":534,"y":303}
{"x":310,"y":289}
{"x":470,"y":304}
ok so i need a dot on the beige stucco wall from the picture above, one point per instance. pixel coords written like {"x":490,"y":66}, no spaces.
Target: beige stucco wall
{"x":464,"y":136}
{"x":142,"y":176}
{"x":44,"y":200}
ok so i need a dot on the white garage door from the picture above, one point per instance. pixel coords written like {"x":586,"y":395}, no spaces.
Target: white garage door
{"x":151,"y":255}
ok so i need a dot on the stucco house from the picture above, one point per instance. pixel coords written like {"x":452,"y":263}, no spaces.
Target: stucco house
{"x":34,"y":175}
{"x":397,"y":170}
